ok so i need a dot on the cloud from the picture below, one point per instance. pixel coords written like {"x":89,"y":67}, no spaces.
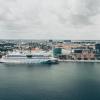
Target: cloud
{"x":80,"y":12}
{"x":54,"y":17}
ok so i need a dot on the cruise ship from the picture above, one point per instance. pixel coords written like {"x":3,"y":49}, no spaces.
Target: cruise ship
{"x":34,"y":58}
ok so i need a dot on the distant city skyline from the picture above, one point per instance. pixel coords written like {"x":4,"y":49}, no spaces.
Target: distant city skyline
{"x":50,"y":19}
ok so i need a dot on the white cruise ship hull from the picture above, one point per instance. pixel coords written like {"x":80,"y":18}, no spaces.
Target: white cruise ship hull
{"x":29,"y":61}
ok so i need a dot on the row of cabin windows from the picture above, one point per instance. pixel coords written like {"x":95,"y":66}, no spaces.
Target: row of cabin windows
{"x":26,"y":56}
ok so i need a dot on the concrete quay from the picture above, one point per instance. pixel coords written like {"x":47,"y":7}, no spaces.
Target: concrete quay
{"x":94,"y":61}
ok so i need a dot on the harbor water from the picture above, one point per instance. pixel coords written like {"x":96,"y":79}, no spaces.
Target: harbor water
{"x":64,"y":81}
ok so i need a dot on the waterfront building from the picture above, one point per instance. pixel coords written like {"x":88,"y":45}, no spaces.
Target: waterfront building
{"x":57,"y":52}
{"x":97,"y":47}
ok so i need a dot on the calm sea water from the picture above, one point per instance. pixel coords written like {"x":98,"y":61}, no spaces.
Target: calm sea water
{"x":65,"y":81}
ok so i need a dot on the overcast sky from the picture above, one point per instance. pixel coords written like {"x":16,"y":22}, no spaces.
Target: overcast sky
{"x":50,"y":19}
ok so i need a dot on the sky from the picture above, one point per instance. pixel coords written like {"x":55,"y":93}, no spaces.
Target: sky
{"x":50,"y":19}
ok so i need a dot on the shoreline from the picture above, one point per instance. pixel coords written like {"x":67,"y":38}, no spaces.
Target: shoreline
{"x":94,"y":61}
